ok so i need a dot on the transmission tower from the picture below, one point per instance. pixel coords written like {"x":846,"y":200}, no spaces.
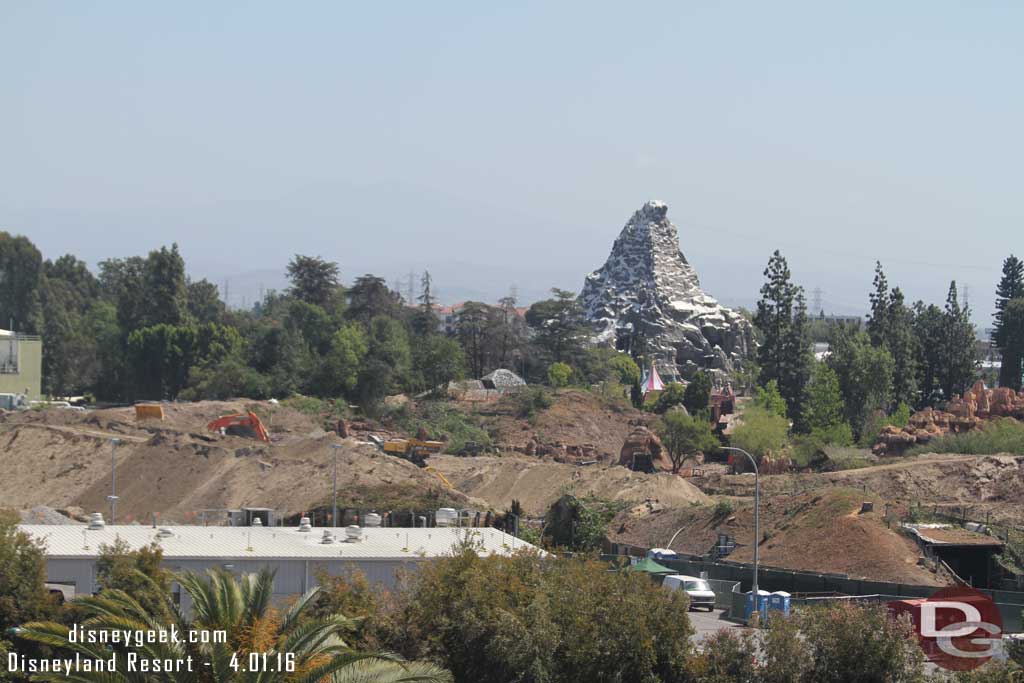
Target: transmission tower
{"x":816,"y":305}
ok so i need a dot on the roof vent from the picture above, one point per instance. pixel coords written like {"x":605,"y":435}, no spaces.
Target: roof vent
{"x":371,"y":519}
{"x":96,"y":521}
{"x":304,"y":524}
{"x":328,"y":537}
{"x":164,"y":532}
{"x":353,"y":534}
{"x":256,"y":521}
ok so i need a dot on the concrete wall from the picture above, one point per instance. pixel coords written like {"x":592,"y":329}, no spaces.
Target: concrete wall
{"x":30,"y":369}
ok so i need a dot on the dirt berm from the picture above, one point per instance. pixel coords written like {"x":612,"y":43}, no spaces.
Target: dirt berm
{"x":537,"y":483}
{"x":177,"y":468}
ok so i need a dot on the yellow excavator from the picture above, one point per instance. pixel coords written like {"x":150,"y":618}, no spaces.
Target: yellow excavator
{"x":415,"y":451}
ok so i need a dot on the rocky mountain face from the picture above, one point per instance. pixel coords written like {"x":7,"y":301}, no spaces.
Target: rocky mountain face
{"x":647,"y":297}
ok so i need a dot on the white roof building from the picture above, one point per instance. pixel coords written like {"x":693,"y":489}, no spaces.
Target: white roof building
{"x":379,"y":553}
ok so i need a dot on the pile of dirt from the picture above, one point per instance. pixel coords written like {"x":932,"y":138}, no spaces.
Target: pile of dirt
{"x":576,"y":422}
{"x":986,"y":484}
{"x":537,"y":483}
{"x":176,"y":468}
{"x":823,"y":532}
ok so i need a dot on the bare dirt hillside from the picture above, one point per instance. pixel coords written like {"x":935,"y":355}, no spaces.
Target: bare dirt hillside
{"x":537,"y":483}
{"x":575,"y":418}
{"x":820,"y":532}
{"x":984,"y":484}
{"x":177,"y":468}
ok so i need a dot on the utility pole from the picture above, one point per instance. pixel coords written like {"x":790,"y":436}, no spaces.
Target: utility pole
{"x":113,"y":479}
{"x":757,"y":512}
{"x":334,"y":512}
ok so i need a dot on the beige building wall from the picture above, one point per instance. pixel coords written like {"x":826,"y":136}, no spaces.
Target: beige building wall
{"x":30,"y":369}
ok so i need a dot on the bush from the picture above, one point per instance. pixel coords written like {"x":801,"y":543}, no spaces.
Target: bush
{"x":1001,"y":435}
{"x":559,"y":375}
{"x":673,"y":395}
{"x":441,"y":421}
{"x":532,"y":401}
{"x":522,"y":618}
{"x":760,"y":432}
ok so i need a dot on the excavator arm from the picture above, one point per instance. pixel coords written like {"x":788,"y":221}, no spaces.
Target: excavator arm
{"x":241,"y":422}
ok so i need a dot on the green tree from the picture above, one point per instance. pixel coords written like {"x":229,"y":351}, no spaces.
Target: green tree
{"x":243,"y":610}
{"x":559,"y":375}
{"x":425,"y":321}
{"x":902,"y":346}
{"x":785,"y":354}
{"x":559,"y":326}
{"x":929,"y":322}
{"x":625,"y":369}
{"x":697,"y":396}
{"x":1010,"y":287}
{"x":204,"y":303}
{"x":313,"y":280}
{"x":313,"y":323}
{"x":1013,"y":344}
{"x":21,"y":273}
{"x":122,"y":282}
{"x":760,"y":432}
{"x":824,"y":409}
{"x":473,"y":326}
{"x":865,"y":377}
{"x":674,"y":394}
{"x":512,"y":619}
{"x":685,"y":435}
{"x":957,"y":346}
{"x":138,"y":573}
{"x":164,"y":290}
{"x":369,"y":298}
{"x":438,"y":360}
{"x":101,"y":326}
{"x":769,"y":398}
{"x":348,"y":348}
{"x":878,"y":324}
{"x":23,"y":595}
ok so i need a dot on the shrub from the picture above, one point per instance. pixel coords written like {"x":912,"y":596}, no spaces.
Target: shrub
{"x":559,"y":375}
{"x":442,"y":421}
{"x":1001,"y":435}
{"x":532,"y":401}
{"x":522,"y":618}
{"x":760,"y":432}
{"x":673,"y":395}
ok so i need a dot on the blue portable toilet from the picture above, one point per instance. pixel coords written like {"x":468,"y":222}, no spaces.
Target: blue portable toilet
{"x":779,"y":601}
{"x":762,"y":604}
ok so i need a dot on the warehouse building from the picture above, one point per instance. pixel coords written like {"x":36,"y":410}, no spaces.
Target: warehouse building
{"x":296,"y":554}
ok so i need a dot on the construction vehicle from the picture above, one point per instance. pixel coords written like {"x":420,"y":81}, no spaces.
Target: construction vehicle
{"x":415,"y":451}
{"x":241,"y":424}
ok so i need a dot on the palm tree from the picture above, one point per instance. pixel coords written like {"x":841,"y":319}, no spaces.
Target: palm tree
{"x":289,"y":646}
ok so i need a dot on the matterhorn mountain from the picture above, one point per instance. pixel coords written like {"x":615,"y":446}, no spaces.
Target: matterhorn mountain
{"x":647,"y":299}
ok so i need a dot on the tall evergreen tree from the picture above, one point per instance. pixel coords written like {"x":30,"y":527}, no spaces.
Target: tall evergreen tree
{"x":165,"y":294}
{"x":21,"y":271}
{"x":957,"y":347}
{"x":878,"y":321}
{"x":1011,"y":286}
{"x":1013,"y":329}
{"x":785,"y":353}
{"x":902,"y":344}
{"x":313,"y":279}
{"x":425,"y":321}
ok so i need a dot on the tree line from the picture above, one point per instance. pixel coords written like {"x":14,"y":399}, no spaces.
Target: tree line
{"x":141,"y":328}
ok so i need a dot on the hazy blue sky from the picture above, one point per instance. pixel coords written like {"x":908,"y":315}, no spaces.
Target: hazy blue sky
{"x":499,"y":145}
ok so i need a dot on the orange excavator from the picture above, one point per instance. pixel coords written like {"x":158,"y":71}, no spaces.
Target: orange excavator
{"x":241,"y":424}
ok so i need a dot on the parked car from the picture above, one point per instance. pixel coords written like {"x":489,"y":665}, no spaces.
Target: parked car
{"x":698,"y":589}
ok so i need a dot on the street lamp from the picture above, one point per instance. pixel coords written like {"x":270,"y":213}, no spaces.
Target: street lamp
{"x":334,"y":513}
{"x":757,"y":506}
{"x":113,"y":480}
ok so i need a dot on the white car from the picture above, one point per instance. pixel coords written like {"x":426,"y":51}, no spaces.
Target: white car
{"x":698,"y":589}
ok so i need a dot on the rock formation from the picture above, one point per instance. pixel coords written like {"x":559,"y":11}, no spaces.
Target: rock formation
{"x":647,"y":294}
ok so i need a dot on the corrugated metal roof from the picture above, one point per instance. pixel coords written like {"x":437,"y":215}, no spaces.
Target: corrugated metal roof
{"x":194,"y":542}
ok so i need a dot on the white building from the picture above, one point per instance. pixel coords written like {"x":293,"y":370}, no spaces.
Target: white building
{"x":296,"y":556}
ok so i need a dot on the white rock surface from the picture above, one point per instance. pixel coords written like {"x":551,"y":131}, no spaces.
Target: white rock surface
{"x":647,"y":290}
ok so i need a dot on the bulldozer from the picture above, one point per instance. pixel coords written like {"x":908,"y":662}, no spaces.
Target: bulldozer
{"x":415,"y":451}
{"x":241,"y":424}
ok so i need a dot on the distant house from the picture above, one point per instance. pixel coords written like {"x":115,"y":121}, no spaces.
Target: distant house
{"x":503,"y":380}
{"x":21,"y":364}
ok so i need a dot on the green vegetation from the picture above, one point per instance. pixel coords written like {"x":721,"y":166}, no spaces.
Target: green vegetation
{"x":760,"y":433}
{"x":442,"y":421}
{"x":1001,"y":435}
{"x":559,"y":375}
{"x":684,"y":436}
{"x":580,"y":524}
{"x":244,"y":611}
{"x":532,"y":401}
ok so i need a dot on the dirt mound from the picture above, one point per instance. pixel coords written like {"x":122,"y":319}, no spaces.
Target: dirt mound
{"x":176,"y":468}
{"x":537,"y":483}
{"x":575,"y":418}
{"x":808,"y":532}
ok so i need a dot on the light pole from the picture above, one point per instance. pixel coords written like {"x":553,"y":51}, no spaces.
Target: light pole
{"x":757,"y":508}
{"x":334,"y":512}
{"x":113,"y":480}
